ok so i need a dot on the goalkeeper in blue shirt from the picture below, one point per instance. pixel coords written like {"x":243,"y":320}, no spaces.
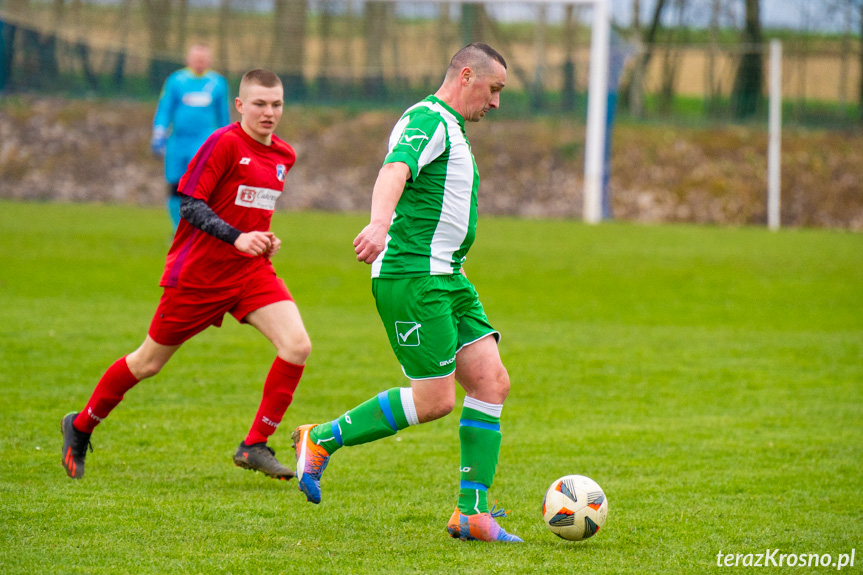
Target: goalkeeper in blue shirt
{"x":193,"y":104}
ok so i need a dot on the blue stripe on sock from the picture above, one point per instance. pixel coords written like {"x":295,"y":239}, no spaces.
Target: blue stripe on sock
{"x":480,"y":424}
{"x":384,"y":402}
{"x":472,"y":485}
{"x":337,"y":432}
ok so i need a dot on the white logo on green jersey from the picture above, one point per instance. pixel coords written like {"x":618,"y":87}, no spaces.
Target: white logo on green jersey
{"x":413,"y":137}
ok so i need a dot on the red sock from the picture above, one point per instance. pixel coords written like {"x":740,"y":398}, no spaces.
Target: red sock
{"x":278,"y":394}
{"x":108,"y":393}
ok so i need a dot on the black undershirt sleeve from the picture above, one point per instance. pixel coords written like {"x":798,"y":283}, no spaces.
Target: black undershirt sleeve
{"x":199,"y":214}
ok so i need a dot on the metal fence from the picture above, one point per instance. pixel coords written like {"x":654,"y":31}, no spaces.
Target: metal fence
{"x":391,"y":52}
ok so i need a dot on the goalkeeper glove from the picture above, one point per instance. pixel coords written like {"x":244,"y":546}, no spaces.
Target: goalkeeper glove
{"x":158,"y":142}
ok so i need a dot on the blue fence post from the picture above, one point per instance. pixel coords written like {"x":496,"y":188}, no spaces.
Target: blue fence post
{"x":610,"y":111}
{"x":4,"y":71}
{"x":619,"y":54}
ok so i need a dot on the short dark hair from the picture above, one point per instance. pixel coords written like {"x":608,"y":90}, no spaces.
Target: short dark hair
{"x":260,"y":77}
{"x":477,"y":56}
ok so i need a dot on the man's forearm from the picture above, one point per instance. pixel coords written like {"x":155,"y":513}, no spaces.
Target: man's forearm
{"x":200,"y":215}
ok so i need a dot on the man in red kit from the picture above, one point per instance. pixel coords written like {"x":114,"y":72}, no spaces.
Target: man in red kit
{"x":220,"y":263}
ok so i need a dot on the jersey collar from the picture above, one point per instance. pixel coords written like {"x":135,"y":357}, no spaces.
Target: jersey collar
{"x":251,"y":140}
{"x":458,"y":116}
{"x":194,"y":75}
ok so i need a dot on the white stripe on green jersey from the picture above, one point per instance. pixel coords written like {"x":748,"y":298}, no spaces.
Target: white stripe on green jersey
{"x":434,"y":222}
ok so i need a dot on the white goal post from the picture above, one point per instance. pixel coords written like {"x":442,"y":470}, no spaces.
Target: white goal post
{"x":597,"y":102}
{"x":774,"y":148}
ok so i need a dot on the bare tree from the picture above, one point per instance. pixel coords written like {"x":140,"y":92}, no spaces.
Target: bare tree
{"x":182,"y":25}
{"x":8,"y":32}
{"x":123,"y":25}
{"x":750,"y":73}
{"x":860,"y":20}
{"x":845,"y":52}
{"x":802,"y":45}
{"x":82,"y":48}
{"x":29,"y":44}
{"x":326,"y":30}
{"x":639,"y":71}
{"x":48,"y":43}
{"x":223,"y":35}
{"x":540,"y":30}
{"x":350,"y":51}
{"x":444,"y":32}
{"x":671,"y":61}
{"x":567,"y":98}
{"x":475,"y":23}
{"x":157,"y":13}
{"x":852,"y":6}
{"x":375,"y":27}
{"x":289,"y":45}
{"x":711,"y":84}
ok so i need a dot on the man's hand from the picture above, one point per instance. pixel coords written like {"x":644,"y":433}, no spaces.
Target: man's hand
{"x":257,"y":243}
{"x":370,"y":242}
{"x":388,"y":189}
{"x":275,"y":246}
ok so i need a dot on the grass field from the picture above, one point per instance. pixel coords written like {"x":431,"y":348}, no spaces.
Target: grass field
{"x":711,"y":380}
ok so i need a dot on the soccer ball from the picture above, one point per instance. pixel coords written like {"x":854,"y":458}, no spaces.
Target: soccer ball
{"x":574,"y":507}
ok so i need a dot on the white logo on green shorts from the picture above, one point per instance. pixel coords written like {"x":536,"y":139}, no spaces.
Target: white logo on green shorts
{"x":408,"y":333}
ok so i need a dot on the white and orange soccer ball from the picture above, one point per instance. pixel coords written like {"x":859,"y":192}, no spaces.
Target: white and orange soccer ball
{"x":574,"y":507}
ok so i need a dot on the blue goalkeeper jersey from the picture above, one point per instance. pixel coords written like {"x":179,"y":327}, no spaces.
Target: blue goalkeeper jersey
{"x":192,"y":106}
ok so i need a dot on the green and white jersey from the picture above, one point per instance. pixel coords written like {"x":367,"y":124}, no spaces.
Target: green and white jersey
{"x":434,"y":223}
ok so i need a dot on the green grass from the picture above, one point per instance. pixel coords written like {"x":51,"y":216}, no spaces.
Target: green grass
{"x":711,"y":380}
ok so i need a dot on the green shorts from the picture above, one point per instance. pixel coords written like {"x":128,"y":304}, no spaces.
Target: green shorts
{"x":429,"y":319}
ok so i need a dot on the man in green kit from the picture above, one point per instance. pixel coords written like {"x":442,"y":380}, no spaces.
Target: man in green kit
{"x":423,"y":222}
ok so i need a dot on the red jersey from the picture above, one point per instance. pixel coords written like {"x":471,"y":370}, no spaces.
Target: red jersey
{"x":240,"y":179}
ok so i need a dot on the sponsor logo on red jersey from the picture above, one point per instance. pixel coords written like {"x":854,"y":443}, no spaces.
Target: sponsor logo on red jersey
{"x":262,"y":198}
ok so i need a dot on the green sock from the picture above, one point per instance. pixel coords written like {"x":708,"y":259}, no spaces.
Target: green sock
{"x":374,"y":419}
{"x":479,"y":434}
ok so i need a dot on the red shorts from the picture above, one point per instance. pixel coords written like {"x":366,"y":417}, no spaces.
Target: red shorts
{"x":185,"y":312}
